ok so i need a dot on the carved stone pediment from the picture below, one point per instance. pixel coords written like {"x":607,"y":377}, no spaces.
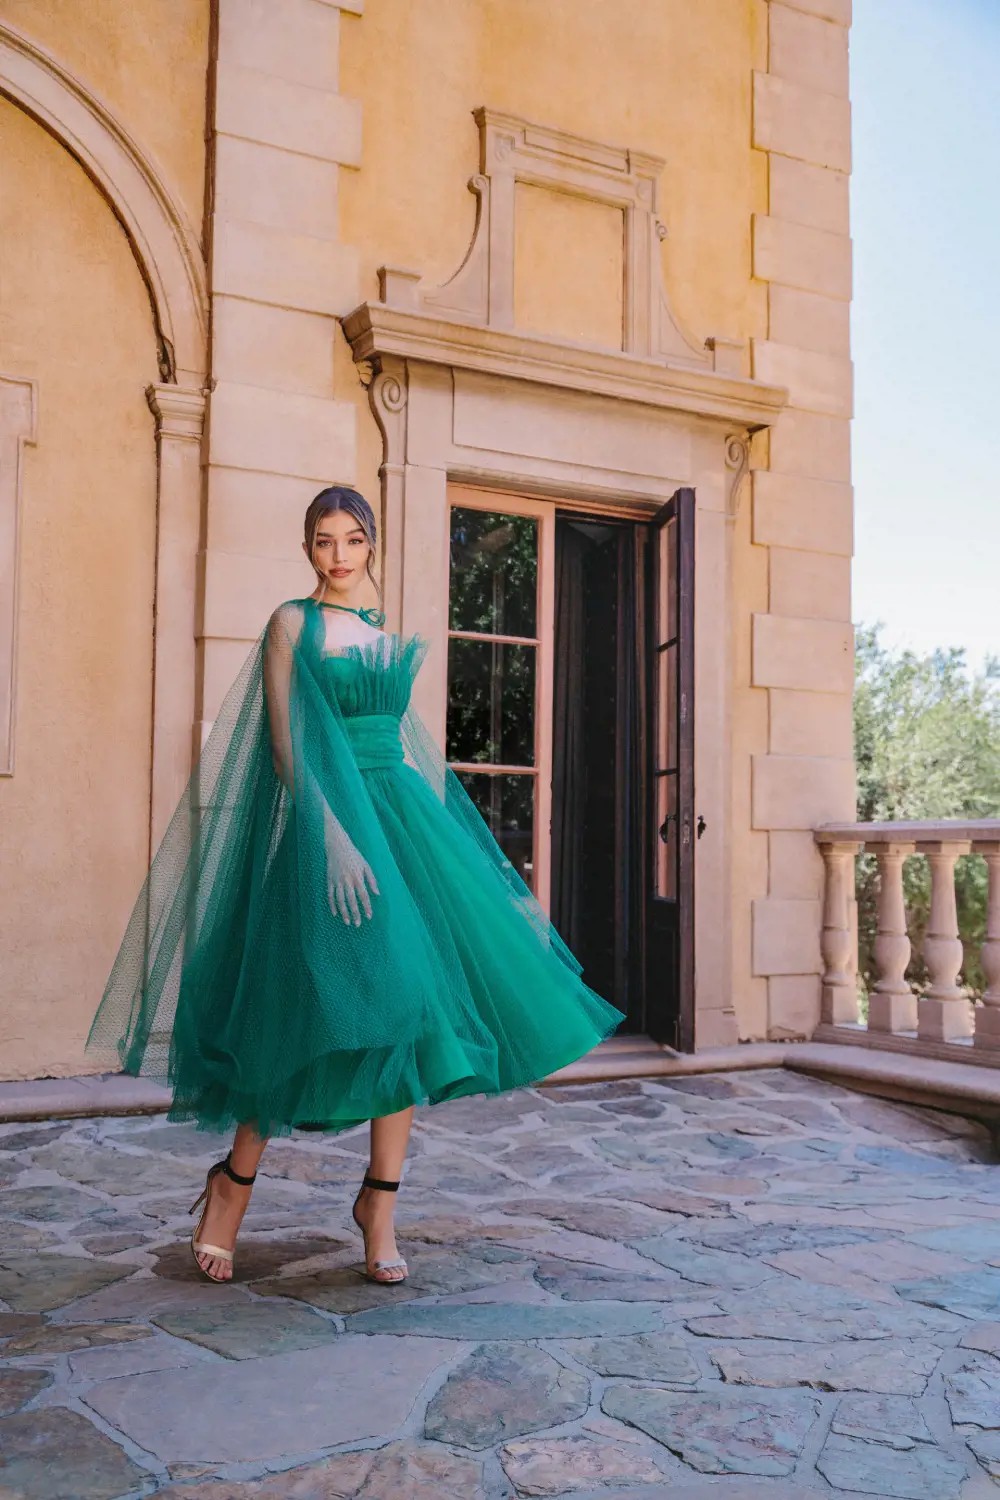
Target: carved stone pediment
{"x":470,"y":322}
{"x":515,"y":151}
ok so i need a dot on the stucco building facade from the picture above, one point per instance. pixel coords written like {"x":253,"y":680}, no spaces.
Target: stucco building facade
{"x":574,"y":274}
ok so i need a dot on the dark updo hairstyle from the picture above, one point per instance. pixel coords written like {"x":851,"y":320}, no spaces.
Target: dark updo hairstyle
{"x":341,"y":497}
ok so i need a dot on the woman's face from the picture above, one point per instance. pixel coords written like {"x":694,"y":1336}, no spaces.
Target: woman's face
{"x":340,"y":552}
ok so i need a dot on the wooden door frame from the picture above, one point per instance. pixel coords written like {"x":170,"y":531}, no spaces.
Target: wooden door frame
{"x":681,"y":508}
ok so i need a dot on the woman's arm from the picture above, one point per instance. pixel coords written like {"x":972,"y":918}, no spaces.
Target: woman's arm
{"x":349,"y":876}
{"x":283,"y":629}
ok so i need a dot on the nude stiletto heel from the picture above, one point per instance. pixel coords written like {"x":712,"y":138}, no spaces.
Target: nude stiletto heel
{"x":199,"y":1247}
{"x":379,"y":1265}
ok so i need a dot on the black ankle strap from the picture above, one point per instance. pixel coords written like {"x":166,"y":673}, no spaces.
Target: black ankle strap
{"x":227,"y":1167}
{"x":376,"y":1182}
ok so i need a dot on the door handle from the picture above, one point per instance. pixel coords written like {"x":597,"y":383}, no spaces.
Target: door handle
{"x":664,"y":829}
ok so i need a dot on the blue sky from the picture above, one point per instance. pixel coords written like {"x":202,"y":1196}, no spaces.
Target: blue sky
{"x":925,"y":208}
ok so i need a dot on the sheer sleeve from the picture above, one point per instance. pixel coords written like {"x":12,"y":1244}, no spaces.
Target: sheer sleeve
{"x":283,"y":631}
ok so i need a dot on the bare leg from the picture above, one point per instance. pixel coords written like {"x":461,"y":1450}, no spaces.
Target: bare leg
{"x":228,"y":1201}
{"x":390,"y":1136}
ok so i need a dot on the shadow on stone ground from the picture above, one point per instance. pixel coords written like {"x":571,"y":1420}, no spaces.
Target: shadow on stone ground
{"x":755,"y":1287}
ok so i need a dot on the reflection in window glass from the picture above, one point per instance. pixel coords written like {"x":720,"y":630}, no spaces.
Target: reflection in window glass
{"x":667,"y":831}
{"x":491,"y":703}
{"x":494,"y":572}
{"x":507,"y":803}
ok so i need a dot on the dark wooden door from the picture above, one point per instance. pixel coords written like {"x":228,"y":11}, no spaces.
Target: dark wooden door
{"x":670,"y":873}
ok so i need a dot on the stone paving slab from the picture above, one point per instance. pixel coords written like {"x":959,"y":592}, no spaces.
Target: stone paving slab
{"x":740,"y":1287}
{"x":264,"y":1408}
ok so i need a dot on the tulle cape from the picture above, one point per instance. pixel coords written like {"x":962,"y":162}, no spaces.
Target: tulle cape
{"x":239,"y":984}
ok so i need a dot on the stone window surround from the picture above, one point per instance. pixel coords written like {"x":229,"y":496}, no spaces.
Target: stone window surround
{"x":461,"y":396}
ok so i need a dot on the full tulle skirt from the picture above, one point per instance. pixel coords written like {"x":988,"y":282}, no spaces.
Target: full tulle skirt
{"x":239,"y":984}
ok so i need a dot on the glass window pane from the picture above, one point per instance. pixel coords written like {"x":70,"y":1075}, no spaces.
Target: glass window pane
{"x":665,"y":852}
{"x":491,"y":703}
{"x":508,"y":805}
{"x":666,"y":709}
{"x":494,"y":572}
{"x":666,"y":604}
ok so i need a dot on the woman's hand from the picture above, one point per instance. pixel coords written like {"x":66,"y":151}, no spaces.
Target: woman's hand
{"x":349,"y":877}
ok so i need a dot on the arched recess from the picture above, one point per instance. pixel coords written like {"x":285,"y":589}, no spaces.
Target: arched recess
{"x":165,"y":244}
{"x":170,"y":260}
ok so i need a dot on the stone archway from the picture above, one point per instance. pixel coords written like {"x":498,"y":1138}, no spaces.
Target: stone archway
{"x":169,"y":258}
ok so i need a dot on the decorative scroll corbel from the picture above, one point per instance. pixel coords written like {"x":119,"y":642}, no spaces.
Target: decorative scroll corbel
{"x":737,"y":469}
{"x":387,"y":394}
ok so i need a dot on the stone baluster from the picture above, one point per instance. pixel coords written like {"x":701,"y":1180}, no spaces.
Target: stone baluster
{"x":892,"y":1005}
{"x":988,"y":1014}
{"x":838,"y":945}
{"x":945,"y":1012}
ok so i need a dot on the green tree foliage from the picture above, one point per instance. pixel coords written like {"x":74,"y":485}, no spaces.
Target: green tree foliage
{"x":927,"y":745}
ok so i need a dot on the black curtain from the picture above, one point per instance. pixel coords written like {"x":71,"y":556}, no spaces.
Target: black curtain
{"x":631,"y":814}
{"x":569,"y":748}
{"x":598,"y":816}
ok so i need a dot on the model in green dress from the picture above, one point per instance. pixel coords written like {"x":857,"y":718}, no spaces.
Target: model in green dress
{"x":329,"y":933}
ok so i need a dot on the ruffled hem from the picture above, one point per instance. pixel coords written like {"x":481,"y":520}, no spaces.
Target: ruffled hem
{"x":320,"y":1098}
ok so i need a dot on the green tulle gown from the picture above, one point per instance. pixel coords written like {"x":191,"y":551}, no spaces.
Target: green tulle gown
{"x":239,"y":983}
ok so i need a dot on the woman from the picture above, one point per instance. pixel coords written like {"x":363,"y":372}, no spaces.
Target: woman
{"x":329,"y":933}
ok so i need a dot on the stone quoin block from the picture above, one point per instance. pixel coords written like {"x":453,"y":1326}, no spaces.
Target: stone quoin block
{"x":814,"y":260}
{"x":803,"y":442}
{"x":809,"y":320}
{"x":830,"y":10}
{"x":822,"y":383}
{"x":315,"y":122}
{"x":287,"y":270}
{"x":809,"y":585}
{"x":810,"y":724}
{"x":786,"y":936}
{"x":802,"y":193}
{"x":790,"y":653}
{"x":807,"y":49}
{"x":810,"y":515}
{"x":793,"y":1006}
{"x":268,"y":507}
{"x":795,"y":865}
{"x":801,"y":122}
{"x":280,"y":432}
{"x":296,"y":40}
{"x":241,"y":590}
{"x":257,"y":184}
{"x":278,"y":347}
{"x":801,"y":791}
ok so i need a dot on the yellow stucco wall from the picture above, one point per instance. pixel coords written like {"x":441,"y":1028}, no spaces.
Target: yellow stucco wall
{"x":147,"y":61}
{"x":75,"y":317}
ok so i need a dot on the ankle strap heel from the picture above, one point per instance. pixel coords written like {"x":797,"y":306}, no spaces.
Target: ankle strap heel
{"x":377,"y":1182}
{"x":227,"y":1167}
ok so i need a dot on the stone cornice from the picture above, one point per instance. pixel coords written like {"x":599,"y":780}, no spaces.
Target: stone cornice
{"x":375,"y":330}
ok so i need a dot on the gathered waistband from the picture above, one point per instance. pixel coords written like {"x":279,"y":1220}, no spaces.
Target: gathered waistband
{"x":375,"y":740}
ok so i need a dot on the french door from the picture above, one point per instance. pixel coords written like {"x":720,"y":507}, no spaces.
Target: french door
{"x":622,"y":757}
{"x":670,"y":874}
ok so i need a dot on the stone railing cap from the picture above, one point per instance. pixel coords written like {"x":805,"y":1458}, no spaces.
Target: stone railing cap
{"x":974,"y":830}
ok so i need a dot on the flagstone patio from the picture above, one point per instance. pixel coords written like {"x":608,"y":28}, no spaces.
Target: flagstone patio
{"x":757,"y":1285}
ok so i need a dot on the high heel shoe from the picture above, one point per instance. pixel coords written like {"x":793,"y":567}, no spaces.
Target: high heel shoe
{"x":399,"y":1264}
{"x":198,"y":1247}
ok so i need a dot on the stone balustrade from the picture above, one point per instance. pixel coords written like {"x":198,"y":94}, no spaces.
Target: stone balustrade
{"x":941,"y":1017}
